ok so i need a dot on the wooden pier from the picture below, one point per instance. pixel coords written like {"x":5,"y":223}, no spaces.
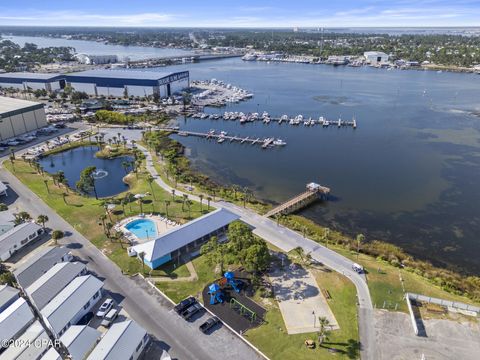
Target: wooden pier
{"x":313,"y":192}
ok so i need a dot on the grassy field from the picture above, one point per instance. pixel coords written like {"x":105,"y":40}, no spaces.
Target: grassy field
{"x":273,"y":340}
{"x":83,"y":212}
{"x":385,"y":283}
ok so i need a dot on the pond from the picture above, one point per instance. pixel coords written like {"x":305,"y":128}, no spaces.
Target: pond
{"x":109,"y":174}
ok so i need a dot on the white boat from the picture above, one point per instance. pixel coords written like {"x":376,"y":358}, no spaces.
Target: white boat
{"x":221,"y":140}
{"x":249,"y":57}
{"x":279,"y":142}
{"x":223,"y":133}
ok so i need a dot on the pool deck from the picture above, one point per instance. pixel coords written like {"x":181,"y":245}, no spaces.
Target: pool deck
{"x":162,"y":225}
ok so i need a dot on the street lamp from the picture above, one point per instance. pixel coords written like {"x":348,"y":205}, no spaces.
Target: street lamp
{"x":314,"y":319}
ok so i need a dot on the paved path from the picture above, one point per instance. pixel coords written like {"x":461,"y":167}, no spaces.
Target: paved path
{"x":287,"y":240}
{"x":181,"y":339}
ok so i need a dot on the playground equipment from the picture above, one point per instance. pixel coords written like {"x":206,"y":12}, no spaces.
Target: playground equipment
{"x":215,"y":294}
{"x":243,"y":310}
{"x":235,"y":284}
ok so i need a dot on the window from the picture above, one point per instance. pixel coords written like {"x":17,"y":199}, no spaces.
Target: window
{"x":139,"y":346}
{"x":24,"y":241}
{"x":96,"y":295}
{"x":31,"y":236}
{"x":86,"y":305}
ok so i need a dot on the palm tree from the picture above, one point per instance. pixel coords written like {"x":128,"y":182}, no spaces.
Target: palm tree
{"x":150,"y":180}
{"x":141,"y":255}
{"x":185,"y":198}
{"x":324,"y":331}
{"x":201,"y":202}
{"x":326,"y":234}
{"x":167,"y":204}
{"x":64,"y":195}
{"x":140,"y":202}
{"x":42,"y":219}
{"x":189,"y":203}
{"x":46,"y":185}
{"x":173,"y":194}
{"x":209,"y":198}
{"x":360,"y":239}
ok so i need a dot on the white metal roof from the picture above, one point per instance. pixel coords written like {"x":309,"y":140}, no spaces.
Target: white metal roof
{"x":8,"y":104}
{"x":70,"y":301}
{"x":38,"y":264}
{"x":7,"y":294}
{"x":30,"y":75}
{"x":119,"y":342}
{"x":124,"y":74}
{"x":47,"y":286}
{"x":30,"y":345}
{"x":17,"y":234}
{"x":186,"y":234}
{"x":15,"y":318}
{"x":51,"y":354}
{"x":79,"y":340}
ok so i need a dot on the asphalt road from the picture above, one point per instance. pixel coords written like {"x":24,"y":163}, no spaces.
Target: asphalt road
{"x":287,"y":240}
{"x":153,"y":312}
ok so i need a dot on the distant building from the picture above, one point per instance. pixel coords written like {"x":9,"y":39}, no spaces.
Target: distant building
{"x":18,"y":237}
{"x":123,"y":341}
{"x":32,"y":344}
{"x":39,"y":263}
{"x":80,"y":340}
{"x":128,"y":82}
{"x":72,"y":303}
{"x":18,"y":117}
{"x":186,"y":238}
{"x":15,"y":319}
{"x":8,"y":295}
{"x":49,"y":285}
{"x":32,"y":81}
{"x":375,"y":57}
{"x":96,"y":59}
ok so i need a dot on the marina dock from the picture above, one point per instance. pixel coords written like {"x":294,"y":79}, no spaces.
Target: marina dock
{"x":313,"y":193}
{"x":221,"y":137}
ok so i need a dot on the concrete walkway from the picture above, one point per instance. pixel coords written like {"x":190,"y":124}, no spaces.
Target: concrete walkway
{"x":286,"y":240}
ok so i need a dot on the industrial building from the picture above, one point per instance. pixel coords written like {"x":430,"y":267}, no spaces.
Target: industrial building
{"x":128,"y":82}
{"x":18,"y":117}
{"x":186,"y":238}
{"x":32,"y":81}
{"x":375,"y":57}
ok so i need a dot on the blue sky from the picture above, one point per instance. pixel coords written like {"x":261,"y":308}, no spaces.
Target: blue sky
{"x":243,"y":13}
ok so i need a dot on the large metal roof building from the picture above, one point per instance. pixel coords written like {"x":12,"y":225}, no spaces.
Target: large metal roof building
{"x":18,"y":117}
{"x":30,"y":80}
{"x":128,"y":82}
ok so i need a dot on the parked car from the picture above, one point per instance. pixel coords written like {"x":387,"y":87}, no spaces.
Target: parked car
{"x":357,"y":268}
{"x":105,"y":308}
{"x":191,"y":310}
{"x":184,"y":304}
{"x":85,"y":320}
{"x":211,"y":322}
{"x":109,"y":318}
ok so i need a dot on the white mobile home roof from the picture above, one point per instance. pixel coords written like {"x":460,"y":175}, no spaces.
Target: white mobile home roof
{"x":119,"y":342}
{"x":47,"y":286}
{"x":17,"y":234}
{"x":8,"y":295}
{"x":38,"y":264}
{"x":15,"y":318}
{"x":51,"y":354}
{"x":79,"y":340}
{"x":34,"y":335}
{"x":70,"y":301}
{"x":185,"y":234}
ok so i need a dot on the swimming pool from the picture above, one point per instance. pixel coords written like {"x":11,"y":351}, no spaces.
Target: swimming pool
{"x":142,"y":228}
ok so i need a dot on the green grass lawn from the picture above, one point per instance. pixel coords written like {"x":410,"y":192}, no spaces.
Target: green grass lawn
{"x":272,"y":338}
{"x":83,"y":212}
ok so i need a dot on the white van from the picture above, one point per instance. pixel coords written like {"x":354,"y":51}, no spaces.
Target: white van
{"x":109,"y":318}
{"x":357,"y":268}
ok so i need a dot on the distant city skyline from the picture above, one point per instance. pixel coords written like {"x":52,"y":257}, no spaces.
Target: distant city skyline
{"x":248,"y":13}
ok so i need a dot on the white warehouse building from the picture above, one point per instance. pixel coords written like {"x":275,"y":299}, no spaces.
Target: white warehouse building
{"x":128,"y":82}
{"x":375,"y":57}
{"x":18,"y":117}
{"x":32,"y":81}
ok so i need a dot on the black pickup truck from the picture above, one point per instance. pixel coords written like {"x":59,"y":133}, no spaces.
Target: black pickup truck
{"x":191,"y":310}
{"x":184,"y":304}
{"x":211,"y":322}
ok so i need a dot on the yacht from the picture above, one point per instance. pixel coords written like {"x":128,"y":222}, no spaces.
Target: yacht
{"x":221,"y":140}
{"x":249,"y":57}
{"x":279,"y":142}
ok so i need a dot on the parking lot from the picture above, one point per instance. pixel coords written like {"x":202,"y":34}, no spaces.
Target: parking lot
{"x":445,"y":339}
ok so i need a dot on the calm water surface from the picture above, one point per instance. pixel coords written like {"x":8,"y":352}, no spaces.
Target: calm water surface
{"x":408,"y":174}
{"x":110,"y":172}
